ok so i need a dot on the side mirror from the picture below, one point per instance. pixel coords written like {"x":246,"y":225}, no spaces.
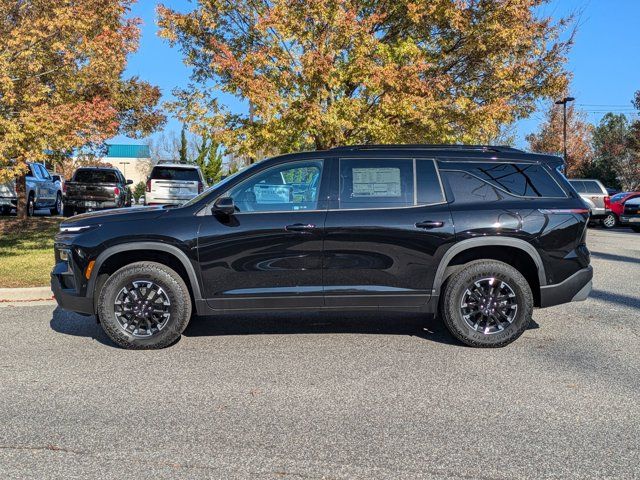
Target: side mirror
{"x":224,"y":205}
{"x":129,"y":182}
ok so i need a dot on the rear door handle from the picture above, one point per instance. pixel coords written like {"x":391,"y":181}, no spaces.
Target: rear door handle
{"x":427,"y":224}
{"x":300,"y":227}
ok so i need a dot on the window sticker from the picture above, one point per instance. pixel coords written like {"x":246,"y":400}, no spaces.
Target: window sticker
{"x":376,"y":182}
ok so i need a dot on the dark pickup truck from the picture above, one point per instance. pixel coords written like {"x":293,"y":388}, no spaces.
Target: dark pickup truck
{"x":95,"y":188}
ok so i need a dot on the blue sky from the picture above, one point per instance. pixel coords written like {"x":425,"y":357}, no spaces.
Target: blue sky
{"x":605,"y":60}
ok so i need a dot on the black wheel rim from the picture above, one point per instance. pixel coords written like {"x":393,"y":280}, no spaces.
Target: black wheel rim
{"x":489,"y":305}
{"x":142,"y":308}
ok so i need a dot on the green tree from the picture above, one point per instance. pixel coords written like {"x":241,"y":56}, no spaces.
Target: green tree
{"x":62,"y":81}
{"x":317,"y":73}
{"x":183,"y":146}
{"x":209,"y":159}
{"x":139,"y":190}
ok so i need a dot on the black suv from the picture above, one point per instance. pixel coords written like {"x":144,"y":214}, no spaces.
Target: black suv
{"x":480,"y":234}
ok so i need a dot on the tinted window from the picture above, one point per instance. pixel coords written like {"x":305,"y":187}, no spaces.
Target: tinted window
{"x":592,"y":187}
{"x":429,"y":190}
{"x":373,"y":183}
{"x":578,"y":185}
{"x":42,"y":172}
{"x":282,"y":188}
{"x":172,"y":173}
{"x":95,"y":176}
{"x":524,"y":180}
{"x":469,"y":189}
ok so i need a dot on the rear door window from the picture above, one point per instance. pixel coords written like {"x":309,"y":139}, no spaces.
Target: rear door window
{"x":376,"y":183}
{"x":429,"y":188}
{"x":95,"y":176}
{"x":173,"y":173}
{"x":591,"y":186}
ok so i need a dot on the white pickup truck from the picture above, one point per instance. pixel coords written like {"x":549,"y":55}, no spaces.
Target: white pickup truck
{"x":42,"y":191}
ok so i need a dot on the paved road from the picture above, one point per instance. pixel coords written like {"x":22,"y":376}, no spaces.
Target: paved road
{"x":331,"y":396}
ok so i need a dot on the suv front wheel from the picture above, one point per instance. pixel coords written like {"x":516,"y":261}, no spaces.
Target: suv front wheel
{"x":144,"y":305}
{"x":487,"y":304}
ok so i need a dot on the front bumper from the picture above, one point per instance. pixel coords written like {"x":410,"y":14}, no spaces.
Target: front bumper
{"x":69,"y":298}
{"x":630,"y":219}
{"x":574,"y":289}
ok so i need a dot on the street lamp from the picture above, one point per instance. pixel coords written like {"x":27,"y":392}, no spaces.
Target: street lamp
{"x":564,"y":102}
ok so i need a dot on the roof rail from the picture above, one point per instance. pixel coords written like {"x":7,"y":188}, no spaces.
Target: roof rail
{"x":429,"y":146}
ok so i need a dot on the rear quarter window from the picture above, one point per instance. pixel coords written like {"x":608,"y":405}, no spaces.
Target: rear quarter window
{"x":172,"y":173}
{"x":467,"y":189}
{"x":591,"y":186}
{"x":520,"y":179}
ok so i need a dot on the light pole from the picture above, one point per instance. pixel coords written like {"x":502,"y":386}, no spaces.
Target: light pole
{"x":564,"y":102}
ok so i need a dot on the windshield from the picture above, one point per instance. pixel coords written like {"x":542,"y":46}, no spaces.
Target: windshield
{"x":222,"y":182}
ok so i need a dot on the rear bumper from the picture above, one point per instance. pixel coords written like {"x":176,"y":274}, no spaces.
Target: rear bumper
{"x":574,"y":289}
{"x":90,"y":204}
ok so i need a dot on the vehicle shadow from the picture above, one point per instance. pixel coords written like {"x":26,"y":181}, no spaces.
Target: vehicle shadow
{"x":369,"y":323}
{"x":78,"y":325}
{"x":393,"y":323}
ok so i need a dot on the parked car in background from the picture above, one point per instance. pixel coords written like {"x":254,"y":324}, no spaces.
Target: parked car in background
{"x":616,"y":204}
{"x":41,"y":190}
{"x":612,"y":191}
{"x":595,"y":194}
{"x":95,"y":188}
{"x":173,"y":184}
{"x":631,"y":214}
{"x":480,"y":234}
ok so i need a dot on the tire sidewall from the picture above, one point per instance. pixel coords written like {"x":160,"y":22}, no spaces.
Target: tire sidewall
{"x":173,"y":286}
{"x":474,"y":272}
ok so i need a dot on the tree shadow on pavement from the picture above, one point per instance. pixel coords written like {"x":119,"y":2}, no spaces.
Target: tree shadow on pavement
{"x":617,"y":298}
{"x":79,"y":326}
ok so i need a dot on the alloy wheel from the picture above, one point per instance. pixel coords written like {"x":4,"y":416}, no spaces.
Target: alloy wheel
{"x":609,"y":221}
{"x":142,"y":308}
{"x":489,"y":305}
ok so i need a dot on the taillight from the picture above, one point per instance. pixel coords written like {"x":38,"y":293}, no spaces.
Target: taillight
{"x":148,"y":185}
{"x":64,"y":188}
{"x":116,"y":191}
{"x":607,"y":202}
{"x":200,"y":187}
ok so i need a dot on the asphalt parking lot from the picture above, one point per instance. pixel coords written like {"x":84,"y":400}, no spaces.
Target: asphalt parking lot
{"x":331,"y":395}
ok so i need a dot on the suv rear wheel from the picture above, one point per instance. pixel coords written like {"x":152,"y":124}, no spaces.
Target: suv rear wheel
{"x":487,"y":304}
{"x":144,"y":305}
{"x":610,"y":221}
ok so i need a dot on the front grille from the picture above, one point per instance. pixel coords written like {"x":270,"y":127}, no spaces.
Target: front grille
{"x":632,"y":209}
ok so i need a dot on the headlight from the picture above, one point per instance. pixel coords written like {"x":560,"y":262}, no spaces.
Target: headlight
{"x":64,"y":254}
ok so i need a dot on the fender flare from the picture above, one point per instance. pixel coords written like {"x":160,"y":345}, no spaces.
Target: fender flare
{"x":157,"y":246}
{"x":488,"y":242}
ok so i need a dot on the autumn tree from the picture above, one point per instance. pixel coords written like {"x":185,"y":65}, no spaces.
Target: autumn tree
{"x":61,"y":81}
{"x":549,"y":137}
{"x":318,"y":73}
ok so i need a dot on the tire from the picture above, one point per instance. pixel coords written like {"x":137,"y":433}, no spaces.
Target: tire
{"x":57,"y":209}
{"x":31,"y":205}
{"x":610,"y":221}
{"x":67,"y":211}
{"x":141,"y":275}
{"x":462,"y":286}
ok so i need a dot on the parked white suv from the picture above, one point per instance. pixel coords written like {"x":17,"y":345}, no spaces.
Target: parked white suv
{"x":594,"y":193}
{"x":173,"y":184}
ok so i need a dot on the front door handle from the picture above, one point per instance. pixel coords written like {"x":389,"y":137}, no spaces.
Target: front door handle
{"x":427,"y":224}
{"x":300,"y":227}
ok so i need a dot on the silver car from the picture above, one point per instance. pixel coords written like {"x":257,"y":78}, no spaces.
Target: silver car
{"x":41,"y":189}
{"x":594,"y":194}
{"x":173,"y":184}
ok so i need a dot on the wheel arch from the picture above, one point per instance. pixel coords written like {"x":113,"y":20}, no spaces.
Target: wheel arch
{"x":467,"y":248}
{"x":153,"y":251}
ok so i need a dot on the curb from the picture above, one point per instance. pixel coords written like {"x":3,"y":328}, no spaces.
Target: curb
{"x":25,"y":294}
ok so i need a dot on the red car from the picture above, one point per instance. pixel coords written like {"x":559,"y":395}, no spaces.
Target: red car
{"x":617,"y":206}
